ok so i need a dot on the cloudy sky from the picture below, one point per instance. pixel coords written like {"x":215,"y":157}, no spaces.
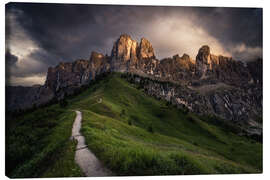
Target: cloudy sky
{"x":42,"y":35}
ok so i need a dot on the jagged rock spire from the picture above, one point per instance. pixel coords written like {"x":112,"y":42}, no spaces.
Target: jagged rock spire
{"x":124,"y":48}
{"x":203,"y":61}
{"x":126,"y":53}
{"x":203,"y":55}
{"x":145,"y":49}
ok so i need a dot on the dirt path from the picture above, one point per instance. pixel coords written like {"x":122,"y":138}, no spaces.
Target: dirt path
{"x":87,"y":161}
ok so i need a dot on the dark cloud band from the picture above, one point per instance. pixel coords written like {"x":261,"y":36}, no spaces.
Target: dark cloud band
{"x":64,"y":32}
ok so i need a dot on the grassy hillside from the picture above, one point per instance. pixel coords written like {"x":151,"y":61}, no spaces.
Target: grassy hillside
{"x":134,"y":134}
{"x":130,"y":132}
{"x":37,"y":144}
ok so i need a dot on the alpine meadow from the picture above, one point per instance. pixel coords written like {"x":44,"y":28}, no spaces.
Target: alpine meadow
{"x":116,"y":90}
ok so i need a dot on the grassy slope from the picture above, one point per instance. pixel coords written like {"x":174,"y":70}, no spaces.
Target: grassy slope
{"x":64,"y":166}
{"x":180,"y":143}
{"x":38,"y":142}
{"x":117,"y":131}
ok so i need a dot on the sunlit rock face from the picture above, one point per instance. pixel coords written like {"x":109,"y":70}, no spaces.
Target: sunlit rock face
{"x":130,"y":56}
{"x":146,"y":50}
{"x":125,"y":48}
{"x":124,"y":53}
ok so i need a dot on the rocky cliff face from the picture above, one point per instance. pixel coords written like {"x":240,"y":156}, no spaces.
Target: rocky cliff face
{"x":146,"y":50}
{"x":220,"y":68}
{"x":203,"y":62}
{"x":128,"y":55}
{"x":20,"y":98}
{"x":177,"y":69}
{"x":209,"y":84}
{"x":124,"y":54}
{"x":69,"y":76}
{"x":240,"y":106}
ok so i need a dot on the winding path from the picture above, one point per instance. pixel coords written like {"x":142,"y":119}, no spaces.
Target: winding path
{"x":87,"y":161}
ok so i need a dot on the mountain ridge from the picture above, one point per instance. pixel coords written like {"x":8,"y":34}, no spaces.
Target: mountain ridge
{"x":127,"y":55}
{"x":240,"y":101}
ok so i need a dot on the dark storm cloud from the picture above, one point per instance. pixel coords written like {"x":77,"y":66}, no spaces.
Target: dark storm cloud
{"x":25,"y":68}
{"x":71,"y":31}
{"x":26,"y":74}
{"x":36,"y":62}
{"x":64,"y":32}
{"x":233,"y":25}
{"x":10,"y":58}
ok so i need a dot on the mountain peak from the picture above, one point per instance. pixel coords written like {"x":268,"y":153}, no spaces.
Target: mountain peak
{"x":124,"y":48}
{"x":125,"y":36}
{"x":205,"y":48}
{"x":203,"y":54}
{"x":185,"y":57}
{"x":146,"y":50}
{"x":127,"y":53}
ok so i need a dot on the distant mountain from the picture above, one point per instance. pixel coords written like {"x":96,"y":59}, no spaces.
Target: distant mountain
{"x":210,"y":84}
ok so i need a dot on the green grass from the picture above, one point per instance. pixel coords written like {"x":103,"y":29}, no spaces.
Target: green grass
{"x":130,"y":132}
{"x":64,"y":166}
{"x":125,"y":144}
{"x":35,"y":140}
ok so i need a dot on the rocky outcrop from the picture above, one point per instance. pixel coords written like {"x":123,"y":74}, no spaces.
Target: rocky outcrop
{"x":146,"y":50}
{"x":98,"y":65}
{"x":220,"y":68}
{"x":211,"y":84}
{"x":124,"y":54}
{"x":203,"y":62}
{"x":176,"y":69}
{"x":128,"y":56}
{"x":68,"y":75}
{"x":240,"y":106}
{"x":76,"y":74}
